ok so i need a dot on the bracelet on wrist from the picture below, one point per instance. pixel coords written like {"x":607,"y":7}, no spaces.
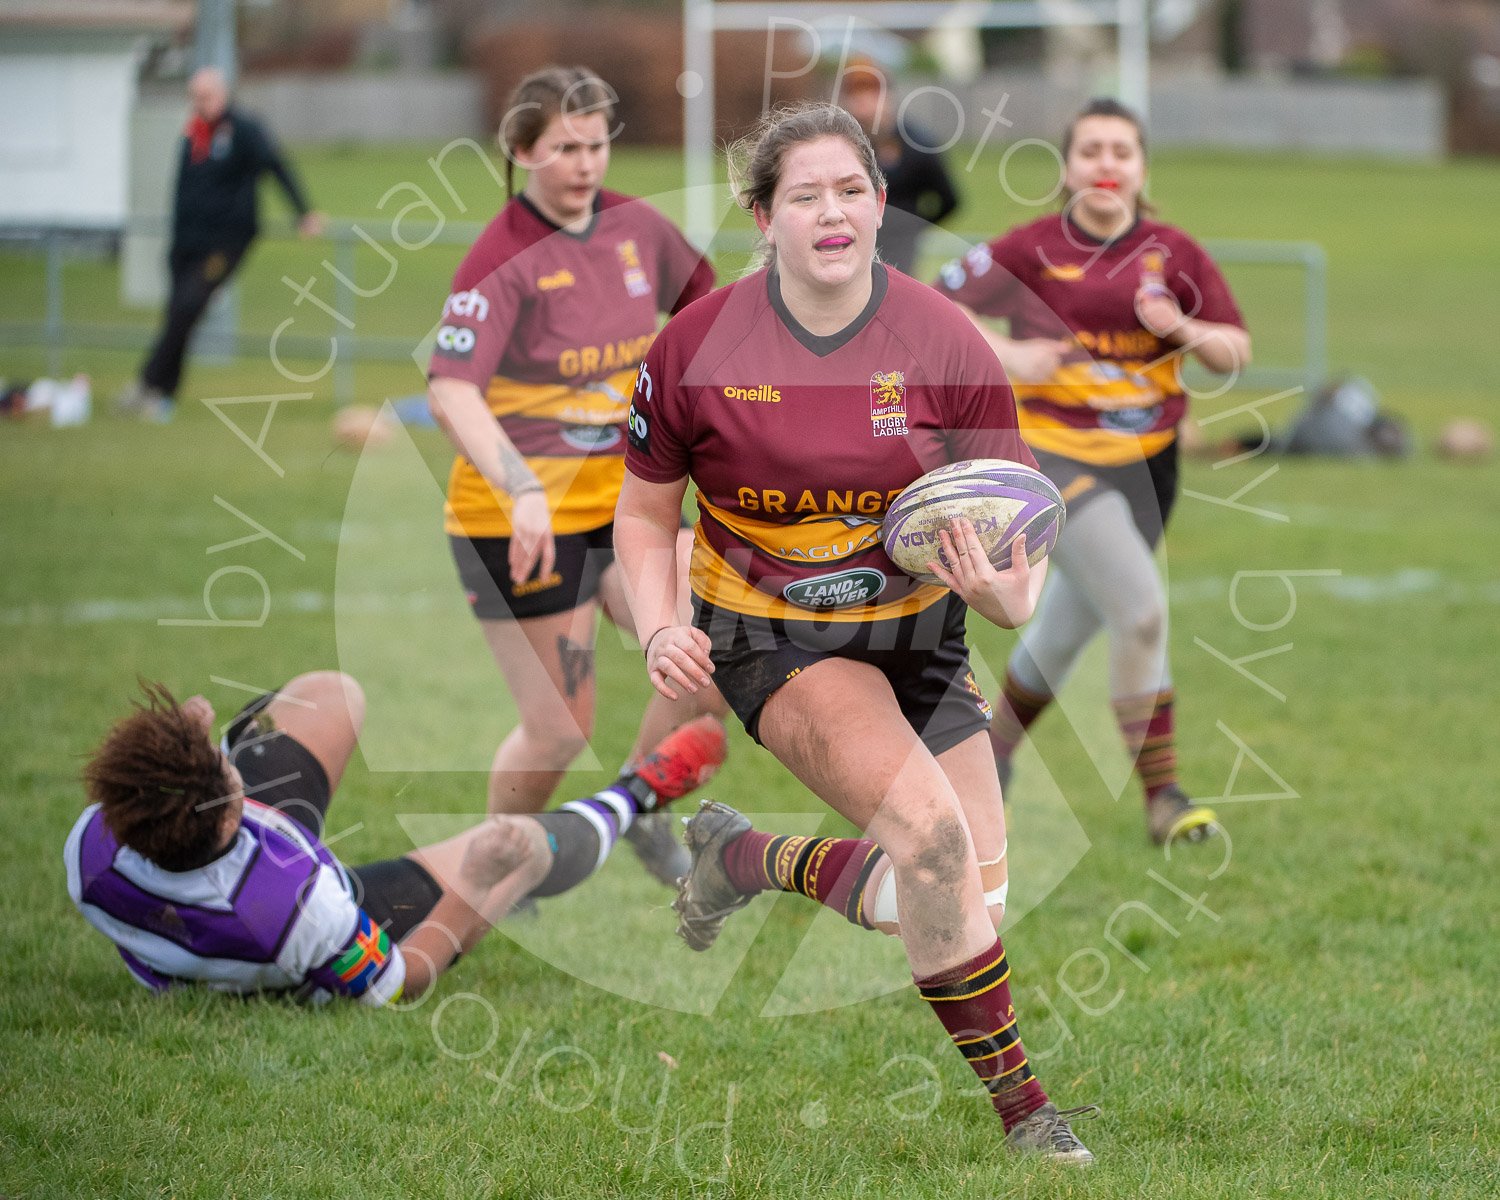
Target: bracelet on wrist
{"x":646,"y":645}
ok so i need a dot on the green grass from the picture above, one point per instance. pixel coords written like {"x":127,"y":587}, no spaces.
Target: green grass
{"x":1326,"y":1030}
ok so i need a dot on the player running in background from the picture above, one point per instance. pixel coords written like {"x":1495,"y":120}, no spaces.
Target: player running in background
{"x":551,"y":312}
{"x":1104,"y":304}
{"x":801,"y":400}
{"x":203,"y":863}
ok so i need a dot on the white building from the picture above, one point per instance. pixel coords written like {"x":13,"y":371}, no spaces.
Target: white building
{"x":69,"y":71}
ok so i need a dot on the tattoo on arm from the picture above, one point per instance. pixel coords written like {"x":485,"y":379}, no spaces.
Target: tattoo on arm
{"x":577,"y":664}
{"x":516,"y":477}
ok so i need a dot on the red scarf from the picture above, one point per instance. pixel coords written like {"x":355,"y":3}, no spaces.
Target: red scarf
{"x":200,"y":135}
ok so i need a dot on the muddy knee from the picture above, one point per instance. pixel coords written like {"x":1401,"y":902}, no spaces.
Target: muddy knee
{"x":936,"y":852}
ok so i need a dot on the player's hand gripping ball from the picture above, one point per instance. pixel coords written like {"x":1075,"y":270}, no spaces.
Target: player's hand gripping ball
{"x":1003,"y":499}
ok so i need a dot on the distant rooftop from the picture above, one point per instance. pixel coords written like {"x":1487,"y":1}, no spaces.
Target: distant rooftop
{"x":104,"y":16}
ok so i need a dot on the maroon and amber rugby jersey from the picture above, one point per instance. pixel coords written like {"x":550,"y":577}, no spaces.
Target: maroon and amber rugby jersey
{"x":798,"y":443}
{"x":1119,"y":397}
{"x":551,"y":326}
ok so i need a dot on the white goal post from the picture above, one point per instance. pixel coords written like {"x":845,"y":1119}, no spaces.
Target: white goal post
{"x":702,"y":19}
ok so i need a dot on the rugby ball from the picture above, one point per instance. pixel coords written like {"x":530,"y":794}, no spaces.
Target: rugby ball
{"x":1004,"y":500}
{"x":359,"y":427}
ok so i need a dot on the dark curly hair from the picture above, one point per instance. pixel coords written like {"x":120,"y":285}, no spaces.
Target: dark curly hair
{"x":161,"y":782}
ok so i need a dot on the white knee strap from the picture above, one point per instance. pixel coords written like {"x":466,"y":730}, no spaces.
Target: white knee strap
{"x":884,"y":910}
{"x":995,"y":895}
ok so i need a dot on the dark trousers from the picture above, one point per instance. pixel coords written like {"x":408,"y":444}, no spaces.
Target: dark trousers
{"x":196,"y":276}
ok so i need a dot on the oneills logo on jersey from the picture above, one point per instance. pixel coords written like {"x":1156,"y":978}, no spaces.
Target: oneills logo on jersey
{"x":636,"y":282}
{"x":1153,"y":262}
{"x":1064,"y":272}
{"x":764,"y":393}
{"x":888,"y":404}
{"x":558,"y":279}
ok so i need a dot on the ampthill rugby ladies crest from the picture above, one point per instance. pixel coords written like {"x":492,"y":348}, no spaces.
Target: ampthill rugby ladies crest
{"x":888,"y":404}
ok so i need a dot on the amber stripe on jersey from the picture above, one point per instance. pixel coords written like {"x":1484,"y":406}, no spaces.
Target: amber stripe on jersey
{"x":826,"y":539}
{"x":714,"y":580}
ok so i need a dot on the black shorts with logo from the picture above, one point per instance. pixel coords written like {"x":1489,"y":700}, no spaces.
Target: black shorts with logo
{"x":281,"y":773}
{"x":924,"y":656}
{"x":484,"y":569}
{"x":1149,"y":487}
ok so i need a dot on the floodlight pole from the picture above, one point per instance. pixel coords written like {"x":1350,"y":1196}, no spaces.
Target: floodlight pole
{"x":698,"y":117}
{"x":1134,"y":54}
{"x":213,"y":38}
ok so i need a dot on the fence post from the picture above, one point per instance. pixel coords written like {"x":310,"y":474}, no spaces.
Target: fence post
{"x":53,"y":332}
{"x":343,"y":368}
{"x":1315,"y":305}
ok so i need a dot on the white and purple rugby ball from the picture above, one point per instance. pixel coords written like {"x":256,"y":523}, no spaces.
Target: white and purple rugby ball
{"x":1004,"y":500}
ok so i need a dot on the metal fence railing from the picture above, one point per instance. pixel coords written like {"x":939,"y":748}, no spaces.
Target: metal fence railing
{"x":366,"y":329}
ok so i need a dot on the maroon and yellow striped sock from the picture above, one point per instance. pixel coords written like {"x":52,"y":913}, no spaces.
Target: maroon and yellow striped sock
{"x":1016,"y":708}
{"x":1150,"y":741}
{"x":972,"y":1000}
{"x":832,"y":871}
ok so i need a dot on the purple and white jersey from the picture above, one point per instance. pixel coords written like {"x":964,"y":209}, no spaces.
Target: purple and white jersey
{"x":274,"y":912}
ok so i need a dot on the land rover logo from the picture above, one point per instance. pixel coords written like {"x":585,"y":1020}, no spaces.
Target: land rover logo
{"x":591,"y":437}
{"x":859,"y":585}
{"x":1130,"y":420}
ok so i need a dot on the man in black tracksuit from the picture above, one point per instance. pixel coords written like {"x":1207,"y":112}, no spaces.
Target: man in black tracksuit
{"x":919,"y":191}
{"x":224,"y":152}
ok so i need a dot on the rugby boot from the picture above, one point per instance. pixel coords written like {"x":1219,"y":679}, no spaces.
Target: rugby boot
{"x":685,"y":759}
{"x":1048,"y":1134}
{"x":705,"y":895}
{"x":651,"y":837}
{"x":1172,"y":817}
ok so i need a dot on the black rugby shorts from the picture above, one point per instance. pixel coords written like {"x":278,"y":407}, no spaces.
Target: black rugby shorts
{"x":484,"y":570}
{"x":278,"y":770}
{"x":1149,"y":487}
{"x":924,"y":656}
{"x":281,"y":772}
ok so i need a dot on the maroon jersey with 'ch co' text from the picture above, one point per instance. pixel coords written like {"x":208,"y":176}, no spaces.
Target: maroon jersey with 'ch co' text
{"x":798,"y":443}
{"x":1118,"y":398}
{"x":551,"y":325}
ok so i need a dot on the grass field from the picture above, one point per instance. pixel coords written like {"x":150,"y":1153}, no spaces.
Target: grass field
{"x":1309,"y":1013}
